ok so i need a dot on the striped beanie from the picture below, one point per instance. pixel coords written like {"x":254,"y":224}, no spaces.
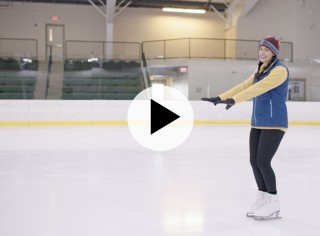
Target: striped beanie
{"x":272,"y":43}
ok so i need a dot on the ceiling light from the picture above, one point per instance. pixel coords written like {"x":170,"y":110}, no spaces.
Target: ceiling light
{"x":183,"y":10}
{"x":27,"y":60}
{"x":92,"y":59}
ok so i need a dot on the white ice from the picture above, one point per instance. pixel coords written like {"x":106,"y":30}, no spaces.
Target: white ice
{"x":98,"y":181}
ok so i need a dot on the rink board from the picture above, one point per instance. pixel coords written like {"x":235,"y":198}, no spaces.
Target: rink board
{"x":106,"y":112}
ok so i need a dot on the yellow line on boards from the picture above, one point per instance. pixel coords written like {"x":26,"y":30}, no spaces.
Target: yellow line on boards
{"x":121,"y":122}
{"x":220,"y":122}
{"x":304,"y":122}
{"x":60,"y":123}
{"x":237,"y":122}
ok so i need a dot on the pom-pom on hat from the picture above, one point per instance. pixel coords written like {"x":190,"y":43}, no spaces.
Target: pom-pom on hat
{"x":272,"y":43}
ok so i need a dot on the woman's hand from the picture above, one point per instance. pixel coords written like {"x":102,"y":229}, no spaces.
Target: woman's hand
{"x":230,"y":102}
{"x":214,"y":100}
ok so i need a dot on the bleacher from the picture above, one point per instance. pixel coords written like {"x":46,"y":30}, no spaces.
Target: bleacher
{"x":17,"y":78}
{"x":111,"y":79}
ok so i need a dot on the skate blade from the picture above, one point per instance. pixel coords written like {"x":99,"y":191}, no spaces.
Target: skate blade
{"x":273,"y":216}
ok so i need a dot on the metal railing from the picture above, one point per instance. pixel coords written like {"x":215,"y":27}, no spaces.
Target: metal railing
{"x":158,"y":49}
{"x":207,"y":48}
{"x":102,"y":50}
{"x":19,"y":48}
{"x":48,"y":72}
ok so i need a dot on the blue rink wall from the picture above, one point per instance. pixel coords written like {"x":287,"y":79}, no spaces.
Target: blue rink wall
{"x":106,"y":112}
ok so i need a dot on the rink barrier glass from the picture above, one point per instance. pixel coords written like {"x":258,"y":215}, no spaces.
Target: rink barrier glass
{"x":101,"y":70}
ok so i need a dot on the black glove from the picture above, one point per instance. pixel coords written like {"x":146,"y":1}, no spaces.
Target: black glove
{"x":230,"y":102}
{"x":214,"y":100}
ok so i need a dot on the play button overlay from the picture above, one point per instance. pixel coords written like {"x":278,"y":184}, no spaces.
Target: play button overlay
{"x":160,"y":118}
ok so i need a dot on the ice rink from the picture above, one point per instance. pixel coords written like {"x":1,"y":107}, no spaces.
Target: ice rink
{"x":97,"y":180}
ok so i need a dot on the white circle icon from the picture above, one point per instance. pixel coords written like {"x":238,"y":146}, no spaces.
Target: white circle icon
{"x":160,"y":118}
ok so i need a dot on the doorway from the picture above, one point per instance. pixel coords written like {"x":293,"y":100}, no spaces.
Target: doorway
{"x":55,"y":41}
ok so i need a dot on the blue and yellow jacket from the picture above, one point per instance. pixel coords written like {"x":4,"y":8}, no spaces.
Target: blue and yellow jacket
{"x":269,"y":93}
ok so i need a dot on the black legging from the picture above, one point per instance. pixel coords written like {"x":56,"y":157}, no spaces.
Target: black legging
{"x":263,"y":145}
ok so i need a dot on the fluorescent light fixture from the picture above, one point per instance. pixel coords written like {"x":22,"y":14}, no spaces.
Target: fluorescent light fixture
{"x":27,"y":60}
{"x":92,"y":59}
{"x":183,"y":10}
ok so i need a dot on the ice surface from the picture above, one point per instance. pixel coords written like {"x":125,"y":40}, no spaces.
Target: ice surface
{"x":97,"y":180}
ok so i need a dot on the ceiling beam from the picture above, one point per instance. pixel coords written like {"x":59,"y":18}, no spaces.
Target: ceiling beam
{"x":97,"y":8}
{"x":118,"y":11}
{"x":220,"y":6}
{"x":180,"y":4}
{"x":218,"y":13}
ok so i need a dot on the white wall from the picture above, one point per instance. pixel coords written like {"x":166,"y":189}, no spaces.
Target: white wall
{"x":28,"y":20}
{"x":296,"y":21}
{"x":33,"y":112}
{"x":212,"y":77}
{"x":153,"y":24}
{"x":222,"y":75}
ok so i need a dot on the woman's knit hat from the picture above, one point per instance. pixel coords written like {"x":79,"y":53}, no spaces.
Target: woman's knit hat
{"x":272,"y":43}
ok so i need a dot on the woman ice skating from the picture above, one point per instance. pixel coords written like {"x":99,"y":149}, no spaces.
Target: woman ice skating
{"x":268,"y":87}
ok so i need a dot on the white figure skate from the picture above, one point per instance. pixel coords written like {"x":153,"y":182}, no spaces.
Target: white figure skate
{"x":270,"y":210}
{"x":260,"y":201}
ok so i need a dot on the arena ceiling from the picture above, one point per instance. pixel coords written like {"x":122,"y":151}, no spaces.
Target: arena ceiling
{"x":220,"y":6}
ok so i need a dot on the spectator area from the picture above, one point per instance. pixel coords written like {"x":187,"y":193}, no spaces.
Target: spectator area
{"x":115,"y":80}
{"x":17,"y":78}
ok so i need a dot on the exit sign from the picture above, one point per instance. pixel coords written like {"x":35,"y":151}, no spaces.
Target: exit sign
{"x":55,"y":18}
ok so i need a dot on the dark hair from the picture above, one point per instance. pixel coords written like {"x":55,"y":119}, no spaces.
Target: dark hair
{"x":258,"y":73}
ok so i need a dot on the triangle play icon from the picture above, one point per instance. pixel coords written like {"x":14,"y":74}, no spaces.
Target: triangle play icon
{"x":160,"y":116}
